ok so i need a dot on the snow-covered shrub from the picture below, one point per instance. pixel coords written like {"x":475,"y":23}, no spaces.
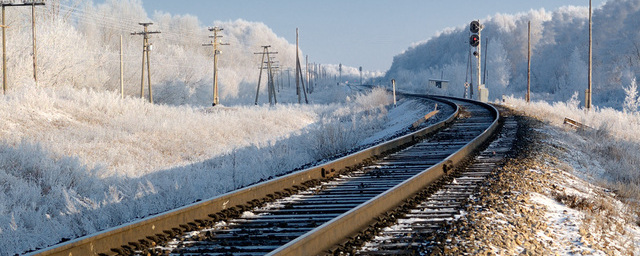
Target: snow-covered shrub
{"x":613,"y":143}
{"x":342,"y":129}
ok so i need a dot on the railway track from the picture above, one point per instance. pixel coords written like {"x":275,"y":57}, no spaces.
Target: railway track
{"x":306,"y":212}
{"x":417,"y":230}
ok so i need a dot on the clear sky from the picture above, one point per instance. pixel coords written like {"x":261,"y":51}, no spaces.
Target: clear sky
{"x":365,"y":33}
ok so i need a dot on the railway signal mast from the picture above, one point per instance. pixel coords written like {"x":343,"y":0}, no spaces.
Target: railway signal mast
{"x":474,"y":41}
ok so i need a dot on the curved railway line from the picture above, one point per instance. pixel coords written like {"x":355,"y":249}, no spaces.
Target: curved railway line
{"x":416,"y":231}
{"x":314,"y":211}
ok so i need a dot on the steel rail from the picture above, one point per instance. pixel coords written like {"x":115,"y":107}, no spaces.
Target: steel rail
{"x":103,"y":242}
{"x":329,"y":234}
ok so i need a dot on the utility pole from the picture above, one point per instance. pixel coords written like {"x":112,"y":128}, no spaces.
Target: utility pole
{"x":4,"y":54}
{"x":528,"y":96}
{"x":33,"y":4}
{"x":486,"y":56}
{"x":299,"y":75}
{"x":587,"y":102}
{"x":312,"y":78}
{"x":215,"y":44}
{"x":340,"y":68}
{"x":121,"y":70}
{"x":145,"y":53}
{"x":270,"y":87}
{"x":297,"y":70}
{"x":33,"y":35}
{"x":306,"y":70}
{"x":393,"y":83}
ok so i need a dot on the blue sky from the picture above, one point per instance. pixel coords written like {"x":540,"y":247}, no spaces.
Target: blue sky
{"x":365,"y":33}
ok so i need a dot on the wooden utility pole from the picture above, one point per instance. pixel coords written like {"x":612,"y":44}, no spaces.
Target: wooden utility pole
{"x":306,"y":70}
{"x":215,"y":44}
{"x":4,"y":54}
{"x":121,"y":70}
{"x":33,"y":4}
{"x":587,"y":95}
{"x":145,"y":54}
{"x":33,"y":33}
{"x":528,"y":96}
{"x":297,"y":72}
{"x":486,"y":55}
{"x":270,"y":83}
{"x":340,"y":69}
{"x":299,"y":75}
{"x":393,"y":83}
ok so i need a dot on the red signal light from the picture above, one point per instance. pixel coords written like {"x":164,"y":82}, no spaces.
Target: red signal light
{"x":474,"y":40}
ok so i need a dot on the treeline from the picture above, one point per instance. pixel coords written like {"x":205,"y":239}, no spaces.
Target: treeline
{"x":559,"y":54}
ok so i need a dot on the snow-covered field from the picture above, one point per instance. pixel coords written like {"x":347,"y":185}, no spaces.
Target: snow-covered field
{"x":591,"y":192}
{"x":73,"y":162}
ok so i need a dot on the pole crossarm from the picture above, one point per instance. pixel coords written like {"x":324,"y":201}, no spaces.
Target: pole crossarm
{"x":21,"y":3}
{"x":144,"y":33}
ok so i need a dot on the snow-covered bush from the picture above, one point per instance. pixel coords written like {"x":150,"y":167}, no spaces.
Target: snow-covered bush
{"x":343,"y":129}
{"x":613,"y":143}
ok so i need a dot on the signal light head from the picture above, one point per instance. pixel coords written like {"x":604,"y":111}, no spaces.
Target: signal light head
{"x":474,"y":40}
{"x":475,"y":26}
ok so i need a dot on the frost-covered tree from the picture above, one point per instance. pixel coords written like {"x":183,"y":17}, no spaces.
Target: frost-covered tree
{"x":631,"y":99}
{"x":79,"y":46}
{"x":559,"y":49}
{"x":576,"y":74}
{"x":498,"y":68}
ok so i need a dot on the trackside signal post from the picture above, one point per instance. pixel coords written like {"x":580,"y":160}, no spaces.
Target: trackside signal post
{"x":475,"y":41}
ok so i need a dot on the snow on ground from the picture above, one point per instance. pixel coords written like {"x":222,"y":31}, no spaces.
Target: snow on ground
{"x":591,"y":205}
{"x":73,"y":162}
{"x":562,"y":196}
